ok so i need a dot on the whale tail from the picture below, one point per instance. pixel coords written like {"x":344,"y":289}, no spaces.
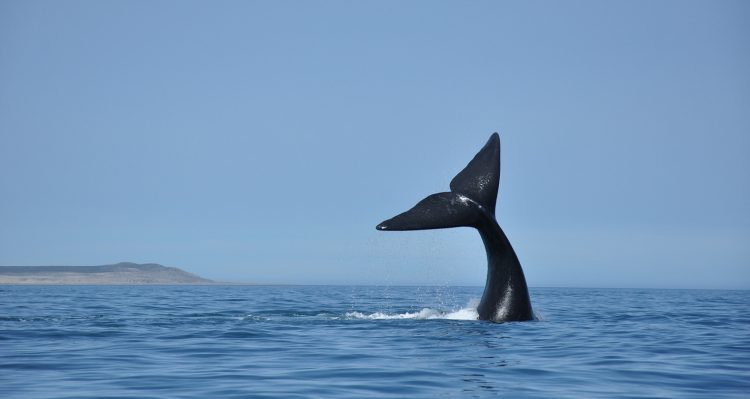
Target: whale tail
{"x":473,"y":192}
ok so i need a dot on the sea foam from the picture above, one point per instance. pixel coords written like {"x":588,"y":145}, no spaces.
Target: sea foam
{"x":467,"y":313}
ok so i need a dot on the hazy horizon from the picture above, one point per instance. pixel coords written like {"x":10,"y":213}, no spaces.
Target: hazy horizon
{"x":396,"y":284}
{"x":264,"y":141}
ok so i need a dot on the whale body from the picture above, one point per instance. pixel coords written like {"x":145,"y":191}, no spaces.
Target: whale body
{"x":471,"y":203}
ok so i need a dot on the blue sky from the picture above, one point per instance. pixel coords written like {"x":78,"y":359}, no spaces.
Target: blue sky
{"x":263,"y":141}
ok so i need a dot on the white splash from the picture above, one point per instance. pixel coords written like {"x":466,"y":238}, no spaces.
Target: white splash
{"x":467,"y":313}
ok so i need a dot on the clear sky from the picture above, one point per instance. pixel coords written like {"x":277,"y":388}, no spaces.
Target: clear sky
{"x":263,"y":141}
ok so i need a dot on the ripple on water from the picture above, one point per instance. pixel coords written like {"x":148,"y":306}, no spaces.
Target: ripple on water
{"x":342,"y":342}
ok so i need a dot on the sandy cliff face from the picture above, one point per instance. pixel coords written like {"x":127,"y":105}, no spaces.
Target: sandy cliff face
{"x":121,"y":273}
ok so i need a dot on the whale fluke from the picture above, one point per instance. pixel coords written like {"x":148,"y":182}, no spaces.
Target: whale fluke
{"x":437,"y":211}
{"x":480,"y":179}
{"x":471,"y":203}
{"x":477,"y":182}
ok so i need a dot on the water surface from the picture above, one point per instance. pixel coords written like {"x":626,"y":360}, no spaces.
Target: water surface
{"x":380,"y":342}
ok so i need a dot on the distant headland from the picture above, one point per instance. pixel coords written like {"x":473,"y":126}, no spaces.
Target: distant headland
{"x":120,"y":273}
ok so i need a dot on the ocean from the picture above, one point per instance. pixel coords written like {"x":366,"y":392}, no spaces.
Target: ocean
{"x":368,"y":342}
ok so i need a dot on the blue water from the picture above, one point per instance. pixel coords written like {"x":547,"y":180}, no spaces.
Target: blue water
{"x":347,"y":342}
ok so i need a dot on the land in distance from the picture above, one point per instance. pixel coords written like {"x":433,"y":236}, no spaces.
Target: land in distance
{"x":120,"y":273}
